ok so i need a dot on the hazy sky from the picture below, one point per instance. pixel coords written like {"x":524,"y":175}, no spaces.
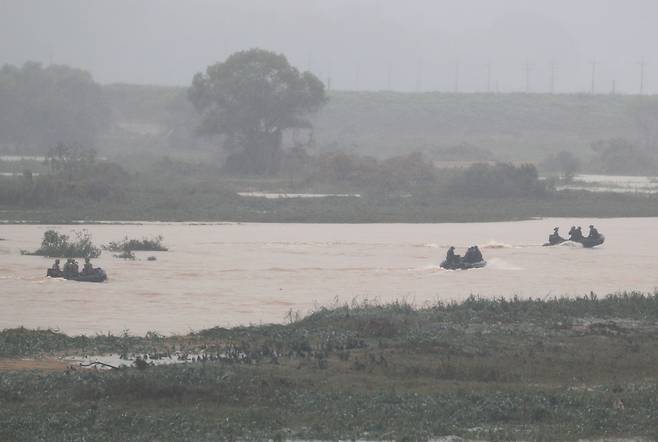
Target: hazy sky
{"x":469,"y":45}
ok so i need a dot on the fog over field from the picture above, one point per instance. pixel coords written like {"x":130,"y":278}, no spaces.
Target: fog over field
{"x":467,"y":45}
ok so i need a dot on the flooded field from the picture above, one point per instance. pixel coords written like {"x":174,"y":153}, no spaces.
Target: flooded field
{"x":613,"y":183}
{"x":229,"y":274}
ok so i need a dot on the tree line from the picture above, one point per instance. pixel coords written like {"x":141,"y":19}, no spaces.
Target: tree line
{"x":41,"y":106}
{"x":250,"y":103}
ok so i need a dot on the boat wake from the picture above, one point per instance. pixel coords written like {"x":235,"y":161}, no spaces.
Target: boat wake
{"x":492,"y":244}
{"x":571,"y":244}
{"x":430,"y":268}
{"x":501,"y":264}
{"x":497,"y":245}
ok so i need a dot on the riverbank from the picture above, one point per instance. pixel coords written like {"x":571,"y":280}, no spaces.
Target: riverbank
{"x":426,"y":208}
{"x":556,"y":369}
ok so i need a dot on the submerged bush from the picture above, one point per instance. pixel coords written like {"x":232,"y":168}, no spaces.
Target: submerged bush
{"x":126,"y":254}
{"x":59,"y":245}
{"x":130,"y":245}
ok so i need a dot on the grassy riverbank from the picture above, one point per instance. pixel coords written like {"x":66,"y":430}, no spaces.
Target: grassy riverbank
{"x":425,"y":208}
{"x":490,"y":369}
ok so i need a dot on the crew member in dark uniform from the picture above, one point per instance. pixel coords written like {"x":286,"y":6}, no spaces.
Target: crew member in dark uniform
{"x":88,"y":269}
{"x":451,"y":257}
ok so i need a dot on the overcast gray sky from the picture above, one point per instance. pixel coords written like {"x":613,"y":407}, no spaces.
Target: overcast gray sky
{"x":469,"y":45}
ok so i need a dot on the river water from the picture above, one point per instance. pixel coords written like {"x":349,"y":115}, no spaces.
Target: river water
{"x":230,"y":274}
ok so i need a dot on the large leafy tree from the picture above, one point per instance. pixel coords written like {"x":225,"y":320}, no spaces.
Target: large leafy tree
{"x":251,"y":99}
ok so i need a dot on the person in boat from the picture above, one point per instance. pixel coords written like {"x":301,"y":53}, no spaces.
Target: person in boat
{"x":477,"y":255}
{"x":67,"y":266}
{"x":468,"y":256}
{"x":576,"y":234}
{"x":55,"y":268}
{"x":593,"y":233}
{"x":473,"y":254}
{"x":87,"y":269}
{"x":451,"y":257}
{"x":555,"y":236}
{"x":71,"y":267}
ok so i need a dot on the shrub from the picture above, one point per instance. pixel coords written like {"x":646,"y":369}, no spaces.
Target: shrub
{"x":402,"y":174}
{"x":500,"y":180}
{"x":126,"y":254}
{"x":58,"y":245}
{"x":129,"y":245}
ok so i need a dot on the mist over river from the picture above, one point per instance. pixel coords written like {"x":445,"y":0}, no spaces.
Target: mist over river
{"x":230,"y":274}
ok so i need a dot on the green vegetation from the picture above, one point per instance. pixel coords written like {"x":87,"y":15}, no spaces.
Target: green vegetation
{"x":131,"y":245}
{"x":74,"y":177}
{"x":501,"y":369}
{"x":498,"y":181}
{"x":448,"y":127}
{"x":57,"y":245}
{"x":61,"y":104}
{"x":427,"y":208}
{"x":251,"y":99}
{"x":406,"y":157}
{"x":402,"y":189}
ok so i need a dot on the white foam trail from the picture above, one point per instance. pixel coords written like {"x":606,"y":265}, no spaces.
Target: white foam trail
{"x":572,"y":244}
{"x":501,"y":264}
{"x":427,"y":268}
{"x":496,"y":245}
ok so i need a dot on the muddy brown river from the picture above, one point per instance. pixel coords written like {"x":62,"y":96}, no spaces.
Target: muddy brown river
{"x":230,"y":274}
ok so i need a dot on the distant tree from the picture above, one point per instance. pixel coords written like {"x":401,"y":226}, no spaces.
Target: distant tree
{"x":251,"y":99}
{"x":501,"y":180}
{"x":645,"y":113}
{"x":618,"y":156}
{"x":565,"y":163}
{"x":40,"y":106}
{"x":75,"y":173}
{"x":70,"y":161}
{"x":407,"y":173}
{"x":462,"y":152}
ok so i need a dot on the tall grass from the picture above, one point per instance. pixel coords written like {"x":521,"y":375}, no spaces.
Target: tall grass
{"x":350,"y":325}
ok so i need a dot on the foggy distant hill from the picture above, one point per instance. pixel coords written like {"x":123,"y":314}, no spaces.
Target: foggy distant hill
{"x":515,"y":127}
